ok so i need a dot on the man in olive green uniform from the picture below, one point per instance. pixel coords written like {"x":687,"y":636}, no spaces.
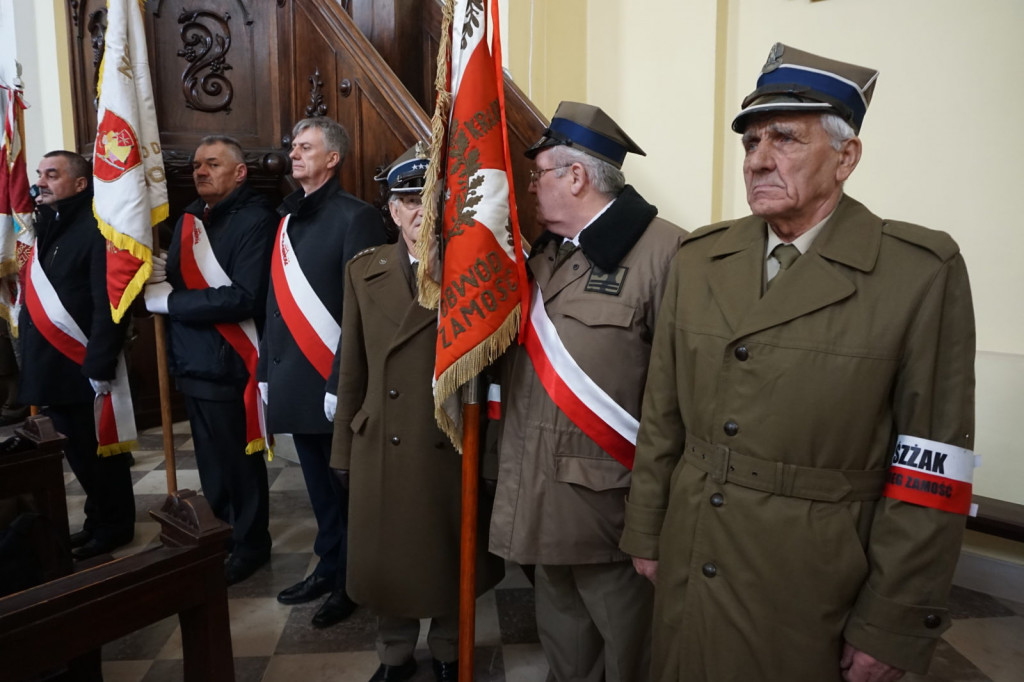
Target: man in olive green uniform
{"x":406,"y":478}
{"x":571,"y":392}
{"x":803,"y":464}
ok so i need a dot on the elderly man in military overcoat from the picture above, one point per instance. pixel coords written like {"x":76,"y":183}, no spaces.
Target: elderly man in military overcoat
{"x":598,"y":275}
{"x":406,"y":478}
{"x":803,"y":463}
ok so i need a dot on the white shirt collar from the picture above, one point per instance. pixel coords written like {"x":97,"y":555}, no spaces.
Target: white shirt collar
{"x":576,"y":240}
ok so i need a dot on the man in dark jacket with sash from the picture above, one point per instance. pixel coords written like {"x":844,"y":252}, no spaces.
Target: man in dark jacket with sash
{"x":217,"y":271}
{"x":322,"y":229}
{"x":64,"y":375}
{"x":598,"y":274}
{"x":804,"y":459}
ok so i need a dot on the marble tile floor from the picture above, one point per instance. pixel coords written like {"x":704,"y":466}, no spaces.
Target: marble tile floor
{"x":276,"y":643}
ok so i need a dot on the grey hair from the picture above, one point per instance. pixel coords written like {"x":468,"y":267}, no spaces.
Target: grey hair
{"x":237,"y":153}
{"x":839,"y":131}
{"x":335,"y":136}
{"x":606,"y":178}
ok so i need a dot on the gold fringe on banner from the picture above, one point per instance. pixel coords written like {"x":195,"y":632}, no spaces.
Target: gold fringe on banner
{"x":427,"y":247}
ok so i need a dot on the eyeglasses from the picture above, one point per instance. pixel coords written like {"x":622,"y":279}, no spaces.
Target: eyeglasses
{"x":411,"y":201}
{"x":535,"y":174}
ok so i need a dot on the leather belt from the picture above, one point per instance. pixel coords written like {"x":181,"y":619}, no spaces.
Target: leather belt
{"x":827,"y":485}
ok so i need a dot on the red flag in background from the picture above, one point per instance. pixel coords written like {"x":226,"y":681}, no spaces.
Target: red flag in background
{"x":16,"y":206}
{"x":480,"y":296}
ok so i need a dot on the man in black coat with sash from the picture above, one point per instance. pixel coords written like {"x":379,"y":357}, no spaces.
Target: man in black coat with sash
{"x":72,"y":255}
{"x":322,"y":228}
{"x":211,"y":305}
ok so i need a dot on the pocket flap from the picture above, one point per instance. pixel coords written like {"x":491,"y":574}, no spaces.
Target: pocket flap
{"x":595,"y":313}
{"x":596,"y":474}
{"x":359,"y":421}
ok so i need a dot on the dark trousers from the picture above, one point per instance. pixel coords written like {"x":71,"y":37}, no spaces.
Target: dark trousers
{"x":234,"y":483}
{"x":330,"y":505}
{"x":107,"y":481}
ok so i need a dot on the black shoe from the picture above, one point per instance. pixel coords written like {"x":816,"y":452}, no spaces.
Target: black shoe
{"x":80,"y":538}
{"x":446,"y":672}
{"x":95,"y":547}
{"x":306,"y":590}
{"x":335,"y":609}
{"x":238,"y":568}
{"x":395,"y":673}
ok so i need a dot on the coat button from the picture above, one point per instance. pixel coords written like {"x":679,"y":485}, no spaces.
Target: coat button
{"x":709,"y":570}
{"x":392,"y":394}
{"x":731,"y":428}
{"x":277,"y":361}
{"x":277,"y":313}
{"x":717,"y":500}
{"x":931,"y":621}
{"x":395,"y":440}
{"x":741,"y":353}
{"x":439,"y":445}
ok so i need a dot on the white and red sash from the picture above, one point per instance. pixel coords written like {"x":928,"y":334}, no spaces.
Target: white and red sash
{"x":585,"y":403}
{"x":311,"y":325}
{"x":115,"y":416}
{"x":200,"y":269}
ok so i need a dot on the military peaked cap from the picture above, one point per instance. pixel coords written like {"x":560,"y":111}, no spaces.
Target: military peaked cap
{"x":589,"y":129}
{"x":794,"y":80}
{"x":406,"y":174}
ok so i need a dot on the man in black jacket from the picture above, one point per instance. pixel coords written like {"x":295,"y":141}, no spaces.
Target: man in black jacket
{"x":213,"y":291}
{"x":63,"y":372}
{"x":323,"y":227}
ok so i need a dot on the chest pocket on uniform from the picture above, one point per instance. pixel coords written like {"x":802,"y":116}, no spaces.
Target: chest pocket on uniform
{"x":594,"y":312}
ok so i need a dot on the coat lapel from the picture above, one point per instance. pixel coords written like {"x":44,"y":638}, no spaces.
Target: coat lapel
{"x":552,"y":281}
{"x":852,"y":238}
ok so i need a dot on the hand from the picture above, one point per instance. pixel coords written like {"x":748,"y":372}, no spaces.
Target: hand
{"x":159,"y":273}
{"x":264,"y":391}
{"x":648,"y":568}
{"x":341,"y":476}
{"x":157,"y":296}
{"x":100,"y":386}
{"x":330,"y":406}
{"x":858,"y":666}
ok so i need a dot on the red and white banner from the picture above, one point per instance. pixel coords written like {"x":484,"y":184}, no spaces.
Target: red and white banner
{"x":128,"y":167}
{"x":931,"y":474}
{"x":201,"y":270}
{"x":114,"y":414}
{"x":481,"y":292}
{"x":310,"y":322}
{"x":16,"y":218}
{"x":585,"y":403}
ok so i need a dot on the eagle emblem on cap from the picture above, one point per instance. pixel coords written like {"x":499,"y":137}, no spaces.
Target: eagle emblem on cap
{"x":774,"y":58}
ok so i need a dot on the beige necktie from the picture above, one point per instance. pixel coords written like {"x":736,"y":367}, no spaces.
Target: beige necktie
{"x":564,"y":251}
{"x":786,"y":254}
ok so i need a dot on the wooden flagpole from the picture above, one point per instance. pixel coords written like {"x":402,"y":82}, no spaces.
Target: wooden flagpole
{"x":470,"y":493}
{"x":164,"y":382}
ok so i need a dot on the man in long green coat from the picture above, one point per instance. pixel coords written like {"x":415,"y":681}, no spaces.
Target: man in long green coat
{"x":406,"y":478}
{"x":804,"y":458}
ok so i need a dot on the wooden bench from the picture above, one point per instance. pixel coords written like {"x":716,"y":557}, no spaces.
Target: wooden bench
{"x":64,"y":622}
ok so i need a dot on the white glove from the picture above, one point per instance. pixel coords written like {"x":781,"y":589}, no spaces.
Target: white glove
{"x":159,"y":273}
{"x":264,"y":391}
{"x":330,"y":406}
{"x":156,"y":297}
{"x":100,"y":386}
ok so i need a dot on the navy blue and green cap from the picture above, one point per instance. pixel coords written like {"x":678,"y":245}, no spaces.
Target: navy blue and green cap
{"x":407,"y":173}
{"x":589,"y":129}
{"x":794,"y":80}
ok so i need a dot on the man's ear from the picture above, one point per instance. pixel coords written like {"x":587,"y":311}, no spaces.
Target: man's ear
{"x":579,"y":178}
{"x":81,"y":183}
{"x":849,"y":157}
{"x":333,"y":159}
{"x":241,"y":173}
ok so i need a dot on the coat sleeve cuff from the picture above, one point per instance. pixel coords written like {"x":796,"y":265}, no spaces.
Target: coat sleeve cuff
{"x":643,"y":531}
{"x":902,"y":635}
